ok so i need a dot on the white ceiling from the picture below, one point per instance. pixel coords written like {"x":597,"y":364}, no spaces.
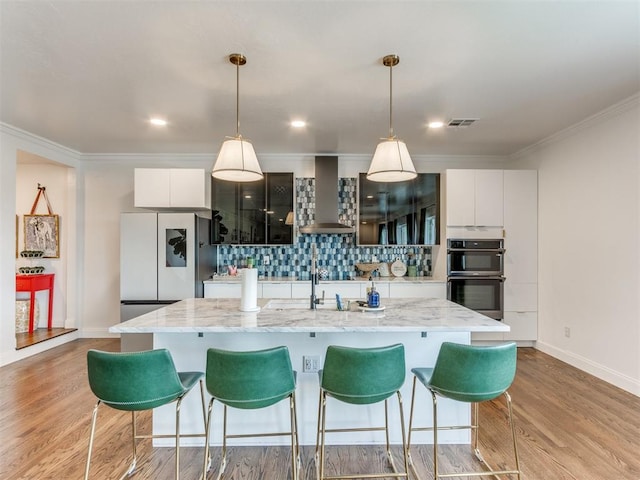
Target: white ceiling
{"x":89,"y":74}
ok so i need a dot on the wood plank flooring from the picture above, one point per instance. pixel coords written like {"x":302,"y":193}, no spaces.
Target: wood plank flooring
{"x":571,"y":426}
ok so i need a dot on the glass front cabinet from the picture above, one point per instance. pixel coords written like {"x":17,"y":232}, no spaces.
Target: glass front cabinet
{"x":252,"y":213}
{"x":402,"y":213}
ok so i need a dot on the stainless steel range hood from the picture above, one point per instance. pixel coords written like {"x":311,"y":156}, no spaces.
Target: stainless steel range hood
{"x":326,"y":215}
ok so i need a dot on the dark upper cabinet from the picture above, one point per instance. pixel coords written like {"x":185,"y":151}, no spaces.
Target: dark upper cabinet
{"x":252,"y":213}
{"x":400,"y":213}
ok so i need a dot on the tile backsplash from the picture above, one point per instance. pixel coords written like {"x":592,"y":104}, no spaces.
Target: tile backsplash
{"x":338,"y":254}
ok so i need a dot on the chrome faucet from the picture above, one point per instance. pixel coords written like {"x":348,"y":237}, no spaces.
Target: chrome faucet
{"x":314,"y":300}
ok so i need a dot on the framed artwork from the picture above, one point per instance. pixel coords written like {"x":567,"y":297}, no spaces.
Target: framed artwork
{"x":42,"y":232}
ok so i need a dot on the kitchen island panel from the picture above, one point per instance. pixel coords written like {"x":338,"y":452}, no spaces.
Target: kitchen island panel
{"x":189,"y":353}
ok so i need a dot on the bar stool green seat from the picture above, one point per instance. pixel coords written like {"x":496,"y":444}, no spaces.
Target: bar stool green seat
{"x":251,"y":380}
{"x":471,"y":374}
{"x":137,"y":381}
{"x":361,"y":376}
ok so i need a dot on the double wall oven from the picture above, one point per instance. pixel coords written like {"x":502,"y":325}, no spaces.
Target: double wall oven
{"x":475,"y":275}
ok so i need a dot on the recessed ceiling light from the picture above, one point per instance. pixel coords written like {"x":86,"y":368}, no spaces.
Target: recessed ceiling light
{"x":298,"y":123}
{"x":369,"y":196}
{"x":247,"y":196}
{"x":158,"y":122}
{"x":436,"y":124}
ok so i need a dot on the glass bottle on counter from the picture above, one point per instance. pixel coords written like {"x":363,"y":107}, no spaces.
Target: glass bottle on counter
{"x":373,"y":299}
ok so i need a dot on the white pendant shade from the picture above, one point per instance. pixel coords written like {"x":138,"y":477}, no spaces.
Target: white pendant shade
{"x":237,"y":162}
{"x":391,"y":162}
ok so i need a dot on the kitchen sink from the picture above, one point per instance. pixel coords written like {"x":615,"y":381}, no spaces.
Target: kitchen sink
{"x":298,"y":304}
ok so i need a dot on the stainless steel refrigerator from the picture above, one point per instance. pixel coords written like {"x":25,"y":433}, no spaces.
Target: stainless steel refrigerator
{"x":164,"y":257}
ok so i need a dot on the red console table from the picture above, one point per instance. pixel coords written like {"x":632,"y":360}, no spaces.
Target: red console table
{"x":32,"y":284}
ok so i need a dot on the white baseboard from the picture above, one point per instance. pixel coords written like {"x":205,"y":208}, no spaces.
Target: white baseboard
{"x":631,"y":385}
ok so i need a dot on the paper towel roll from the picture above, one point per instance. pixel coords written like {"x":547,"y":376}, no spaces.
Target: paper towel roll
{"x":249,"y":292}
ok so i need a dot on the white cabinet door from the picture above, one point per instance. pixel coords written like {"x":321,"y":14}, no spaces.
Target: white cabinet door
{"x":209,"y":290}
{"x":489,"y":198}
{"x":276,"y":290}
{"x":460,"y":197}
{"x":521,"y":226}
{"x":187,"y":188}
{"x":419,"y":290}
{"x":344,"y":289}
{"x":521,"y":254}
{"x":152,"y":187}
{"x":301,"y":289}
{"x":170,"y":188}
{"x":222,"y":290}
{"x":520,"y":297}
{"x":474,"y":198}
{"x":524,"y":325}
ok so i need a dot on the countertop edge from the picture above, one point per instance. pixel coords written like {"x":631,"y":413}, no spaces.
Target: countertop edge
{"x":116,"y":329}
{"x":378,"y":280}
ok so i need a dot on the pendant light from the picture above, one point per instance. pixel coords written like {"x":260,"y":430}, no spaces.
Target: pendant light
{"x":237,"y":161}
{"x":391,"y":161}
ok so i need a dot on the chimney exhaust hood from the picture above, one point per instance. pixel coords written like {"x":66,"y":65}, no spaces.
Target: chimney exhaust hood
{"x":326,"y":215}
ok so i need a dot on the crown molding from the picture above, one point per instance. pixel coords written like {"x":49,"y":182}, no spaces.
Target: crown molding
{"x":146,"y":157}
{"x":198,"y":157}
{"x":29,"y":137}
{"x":614,"y":110}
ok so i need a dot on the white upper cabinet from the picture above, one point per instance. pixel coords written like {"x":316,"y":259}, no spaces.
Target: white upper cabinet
{"x":170,"y":188}
{"x":461,"y":202}
{"x":188,"y":188}
{"x":475,"y":198}
{"x":152,"y":187}
{"x":489,"y":198}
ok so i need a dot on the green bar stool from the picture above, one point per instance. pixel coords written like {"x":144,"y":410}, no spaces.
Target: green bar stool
{"x":251,"y":380}
{"x":361,"y":376}
{"x":471,"y":374}
{"x":139,"y":381}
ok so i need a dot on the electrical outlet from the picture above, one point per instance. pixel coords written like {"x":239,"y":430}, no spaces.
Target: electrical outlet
{"x":567,"y":332}
{"x":310,"y":363}
{"x":265,"y":260}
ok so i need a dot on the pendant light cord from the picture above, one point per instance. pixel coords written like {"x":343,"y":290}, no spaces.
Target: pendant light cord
{"x":391,"y":135}
{"x":238,"y":99}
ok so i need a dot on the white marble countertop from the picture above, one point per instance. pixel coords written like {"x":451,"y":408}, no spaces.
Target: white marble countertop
{"x":237,"y":279}
{"x":294,"y":315}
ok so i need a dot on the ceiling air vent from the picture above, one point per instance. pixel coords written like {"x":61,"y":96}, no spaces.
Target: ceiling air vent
{"x":460,"y":122}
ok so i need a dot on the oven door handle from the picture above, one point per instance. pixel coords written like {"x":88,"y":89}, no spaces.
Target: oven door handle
{"x":472,"y":250}
{"x":477,"y":277}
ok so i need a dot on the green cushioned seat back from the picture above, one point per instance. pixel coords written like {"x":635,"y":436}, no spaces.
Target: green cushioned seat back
{"x":249,"y":380}
{"x":363,"y":375}
{"x":134,"y":380}
{"x":471,"y":373}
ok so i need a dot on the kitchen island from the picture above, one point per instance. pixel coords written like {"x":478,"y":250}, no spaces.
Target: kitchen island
{"x":187,"y":328}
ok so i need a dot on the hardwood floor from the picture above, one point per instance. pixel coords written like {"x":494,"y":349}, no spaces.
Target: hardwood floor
{"x":571,"y":426}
